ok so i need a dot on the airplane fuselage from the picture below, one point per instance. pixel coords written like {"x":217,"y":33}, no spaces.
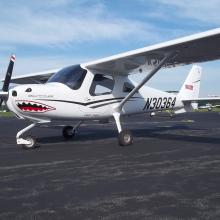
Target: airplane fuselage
{"x":56,"y":101}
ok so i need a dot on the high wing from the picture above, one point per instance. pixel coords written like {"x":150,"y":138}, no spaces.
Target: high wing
{"x":38,"y":78}
{"x":196,"y":48}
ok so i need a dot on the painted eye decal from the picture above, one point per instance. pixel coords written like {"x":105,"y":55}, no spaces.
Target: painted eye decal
{"x":31,"y":106}
{"x":28,"y":90}
{"x":14,"y":93}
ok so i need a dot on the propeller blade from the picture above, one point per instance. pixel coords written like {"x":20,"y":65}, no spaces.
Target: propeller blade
{"x":8,"y":74}
{"x":1,"y":101}
{"x":5,"y":87}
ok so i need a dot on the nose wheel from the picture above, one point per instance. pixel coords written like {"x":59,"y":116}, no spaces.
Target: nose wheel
{"x":30,"y":143}
{"x":26,"y":143}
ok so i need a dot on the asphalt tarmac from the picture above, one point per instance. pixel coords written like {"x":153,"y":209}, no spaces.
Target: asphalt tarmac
{"x":172,"y":171}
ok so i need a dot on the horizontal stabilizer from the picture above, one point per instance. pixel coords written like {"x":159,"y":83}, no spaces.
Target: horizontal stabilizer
{"x":200,"y":100}
{"x":189,"y":103}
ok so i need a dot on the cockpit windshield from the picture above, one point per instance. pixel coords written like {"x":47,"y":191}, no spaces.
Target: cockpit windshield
{"x":71,"y":76}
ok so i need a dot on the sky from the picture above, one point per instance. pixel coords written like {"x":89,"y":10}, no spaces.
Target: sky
{"x":49,"y":34}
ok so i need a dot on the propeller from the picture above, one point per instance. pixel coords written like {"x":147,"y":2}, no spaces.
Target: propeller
{"x":5,"y":87}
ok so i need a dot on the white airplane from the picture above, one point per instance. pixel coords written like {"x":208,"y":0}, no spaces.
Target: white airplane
{"x":102,"y":89}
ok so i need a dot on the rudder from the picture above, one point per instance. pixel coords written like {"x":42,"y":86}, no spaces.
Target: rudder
{"x":190,"y":88}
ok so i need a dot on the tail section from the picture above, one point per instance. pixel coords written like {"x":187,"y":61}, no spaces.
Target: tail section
{"x":190,"y":88}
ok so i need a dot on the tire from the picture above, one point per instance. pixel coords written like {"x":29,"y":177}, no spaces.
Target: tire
{"x":68,"y":132}
{"x":125,"y":138}
{"x":30,"y":146}
{"x":172,"y":116}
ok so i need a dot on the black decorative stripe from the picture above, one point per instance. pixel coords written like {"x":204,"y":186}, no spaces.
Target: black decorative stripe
{"x":57,"y":100}
{"x":197,"y":81}
{"x":85,"y":104}
{"x":109,"y":103}
{"x":101,"y":105}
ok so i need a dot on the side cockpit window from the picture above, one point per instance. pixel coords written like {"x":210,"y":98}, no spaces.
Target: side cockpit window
{"x":128,"y":87}
{"x":102,"y":85}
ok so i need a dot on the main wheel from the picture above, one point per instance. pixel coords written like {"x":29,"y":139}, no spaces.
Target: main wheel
{"x":68,"y":132}
{"x":31,"y":145}
{"x":125,"y":138}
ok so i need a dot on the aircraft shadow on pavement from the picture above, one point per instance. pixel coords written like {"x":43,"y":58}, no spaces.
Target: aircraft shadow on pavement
{"x":157,"y":133}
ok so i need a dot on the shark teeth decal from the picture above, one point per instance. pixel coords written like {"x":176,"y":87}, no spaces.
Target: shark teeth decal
{"x":31,"y":106}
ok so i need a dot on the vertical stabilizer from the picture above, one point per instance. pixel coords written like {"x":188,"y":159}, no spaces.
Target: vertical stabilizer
{"x":190,"y":89}
{"x":191,"y":86}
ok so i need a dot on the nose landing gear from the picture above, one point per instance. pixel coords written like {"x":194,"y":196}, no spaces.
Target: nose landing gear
{"x":28,"y":142}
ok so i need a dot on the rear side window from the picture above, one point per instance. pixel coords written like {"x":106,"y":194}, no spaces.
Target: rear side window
{"x":102,"y":85}
{"x":128,"y":87}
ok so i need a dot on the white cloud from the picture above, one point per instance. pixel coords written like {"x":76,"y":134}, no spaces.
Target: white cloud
{"x":71,"y":24}
{"x":32,"y":25}
{"x":205,"y":11}
{"x":171,"y":79}
{"x":25,"y":65}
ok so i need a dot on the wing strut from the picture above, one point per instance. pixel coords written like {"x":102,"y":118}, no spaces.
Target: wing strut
{"x":147,"y":78}
{"x":125,"y":137}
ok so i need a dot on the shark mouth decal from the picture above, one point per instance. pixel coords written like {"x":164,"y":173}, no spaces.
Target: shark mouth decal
{"x":31,"y":106}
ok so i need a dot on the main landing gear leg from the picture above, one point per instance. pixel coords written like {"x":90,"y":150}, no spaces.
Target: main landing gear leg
{"x":69,"y":131}
{"x":28,"y":142}
{"x":125,"y":137}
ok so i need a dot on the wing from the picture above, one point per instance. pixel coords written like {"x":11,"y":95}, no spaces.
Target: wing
{"x":39,"y":78}
{"x":200,"y":47}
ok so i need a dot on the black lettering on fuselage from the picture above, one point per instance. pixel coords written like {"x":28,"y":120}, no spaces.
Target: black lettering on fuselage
{"x":154,"y":103}
{"x":164,"y":103}
{"x":169,"y":102}
{"x":173,"y":102}
{"x":147,"y":105}
{"x":160,"y":103}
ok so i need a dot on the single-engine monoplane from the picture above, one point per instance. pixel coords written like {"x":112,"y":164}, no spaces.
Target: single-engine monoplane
{"x":102,"y":89}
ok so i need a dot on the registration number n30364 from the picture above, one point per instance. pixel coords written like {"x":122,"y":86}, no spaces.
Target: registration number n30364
{"x":160,"y":103}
